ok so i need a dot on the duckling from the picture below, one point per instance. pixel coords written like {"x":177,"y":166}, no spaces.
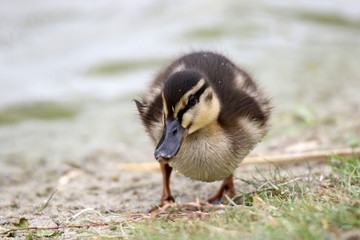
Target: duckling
{"x":204,"y":115}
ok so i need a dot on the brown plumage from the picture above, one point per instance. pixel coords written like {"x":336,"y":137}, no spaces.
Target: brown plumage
{"x":204,"y":114}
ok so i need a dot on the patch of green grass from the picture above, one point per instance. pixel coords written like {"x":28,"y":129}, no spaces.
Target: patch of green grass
{"x":36,"y":110}
{"x":116,"y":67}
{"x":282,"y":207}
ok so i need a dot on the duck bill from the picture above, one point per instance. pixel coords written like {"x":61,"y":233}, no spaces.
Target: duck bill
{"x":170,"y":142}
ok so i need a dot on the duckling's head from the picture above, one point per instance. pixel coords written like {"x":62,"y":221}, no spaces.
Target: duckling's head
{"x":189,"y":104}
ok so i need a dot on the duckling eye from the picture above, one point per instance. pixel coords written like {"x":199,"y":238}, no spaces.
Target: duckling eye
{"x":192,"y":100}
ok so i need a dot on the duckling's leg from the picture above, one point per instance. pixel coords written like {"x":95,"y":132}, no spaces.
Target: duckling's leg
{"x":166,"y":194}
{"x":227,"y":188}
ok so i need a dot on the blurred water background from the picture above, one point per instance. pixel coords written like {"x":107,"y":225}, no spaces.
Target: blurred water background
{"x":69,"y":70}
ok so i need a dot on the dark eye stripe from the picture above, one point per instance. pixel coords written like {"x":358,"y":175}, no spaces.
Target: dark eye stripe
{"x":200,"y":91}
{"x":197,"y":96}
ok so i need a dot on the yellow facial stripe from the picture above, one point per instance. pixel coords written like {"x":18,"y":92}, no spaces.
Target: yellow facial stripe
{"x":183,"y":101}
{"x":164,"y":106}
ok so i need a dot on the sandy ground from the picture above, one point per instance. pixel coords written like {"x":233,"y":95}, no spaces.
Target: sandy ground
{"x":107,"y":190}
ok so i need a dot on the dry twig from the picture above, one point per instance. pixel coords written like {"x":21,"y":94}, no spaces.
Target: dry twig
{"x":312,"y":156}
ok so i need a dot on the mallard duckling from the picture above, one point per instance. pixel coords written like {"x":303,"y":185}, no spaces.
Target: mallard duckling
{"x":204,"y":115}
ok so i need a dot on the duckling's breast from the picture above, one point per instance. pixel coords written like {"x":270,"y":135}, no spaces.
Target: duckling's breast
{"x":207,"y":155}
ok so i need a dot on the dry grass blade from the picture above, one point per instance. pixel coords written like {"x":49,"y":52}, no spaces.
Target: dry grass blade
{"x":48,"y":201}
{"x":250,"y":160}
